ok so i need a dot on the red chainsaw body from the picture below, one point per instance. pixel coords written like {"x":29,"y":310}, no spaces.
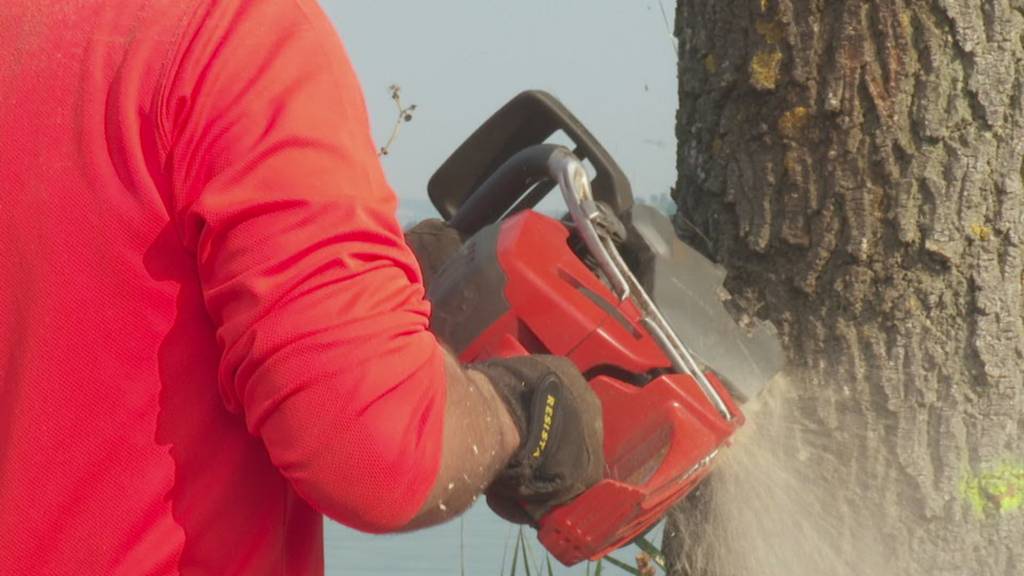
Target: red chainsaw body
{"x":660,"y":437}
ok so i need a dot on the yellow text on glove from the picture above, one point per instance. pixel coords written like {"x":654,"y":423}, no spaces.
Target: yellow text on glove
{"x":545,"y":431}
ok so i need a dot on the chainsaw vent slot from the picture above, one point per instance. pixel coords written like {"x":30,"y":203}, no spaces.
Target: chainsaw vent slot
{"x":618,"y":373}
{"x":610,"y":310}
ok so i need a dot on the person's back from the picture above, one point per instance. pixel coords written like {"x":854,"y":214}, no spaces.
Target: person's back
{"x":212,"y":328}
{"x":153,"y":265}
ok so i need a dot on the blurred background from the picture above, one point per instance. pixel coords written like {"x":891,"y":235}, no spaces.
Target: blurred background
{"x":613,"y":63}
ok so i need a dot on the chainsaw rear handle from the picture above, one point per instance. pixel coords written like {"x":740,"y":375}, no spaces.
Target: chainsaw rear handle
{"x":502,"y":189}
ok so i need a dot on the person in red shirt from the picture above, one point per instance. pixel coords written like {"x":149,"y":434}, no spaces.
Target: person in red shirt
{"x":212,"y":330}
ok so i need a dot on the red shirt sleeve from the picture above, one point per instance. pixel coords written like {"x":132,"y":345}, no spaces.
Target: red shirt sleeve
{"x":317,"y":301}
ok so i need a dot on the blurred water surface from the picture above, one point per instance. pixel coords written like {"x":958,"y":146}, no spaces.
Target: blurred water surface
{"x":435,"y":551}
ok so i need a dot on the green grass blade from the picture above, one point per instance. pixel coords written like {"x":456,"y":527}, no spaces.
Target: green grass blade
{"x":525,"y":548}
{"x":535,"y":562}
{"x":462,"y":546}
{"x":504,"y":552}
{"x":515,"y":554}
{"x":656,"y":556}
{"x":598,"y":568}
{"x":620,"y":564}
{"x":550,"y":571}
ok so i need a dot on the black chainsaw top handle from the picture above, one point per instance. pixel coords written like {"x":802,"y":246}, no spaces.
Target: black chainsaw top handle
{"x":503,"y":153}
{"x":503,"y":189}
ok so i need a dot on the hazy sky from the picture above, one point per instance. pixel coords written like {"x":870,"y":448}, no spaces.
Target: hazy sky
{"x":610,"y":61}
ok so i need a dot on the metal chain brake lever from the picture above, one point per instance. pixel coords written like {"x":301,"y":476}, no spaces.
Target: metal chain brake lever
{"x":600,"y":229}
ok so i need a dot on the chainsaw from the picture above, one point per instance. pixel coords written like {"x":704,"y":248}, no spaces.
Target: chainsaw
{"x":610,"y":286}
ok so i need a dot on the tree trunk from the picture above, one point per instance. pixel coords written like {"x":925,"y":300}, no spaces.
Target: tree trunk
{"x":857,"y":167}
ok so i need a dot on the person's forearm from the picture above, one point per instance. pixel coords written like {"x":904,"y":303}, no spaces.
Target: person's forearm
{"x":479,"y":439}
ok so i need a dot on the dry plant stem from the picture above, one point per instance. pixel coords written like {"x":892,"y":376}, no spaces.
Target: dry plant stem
{"x":404,"y":115}
{"x":668,"y":28}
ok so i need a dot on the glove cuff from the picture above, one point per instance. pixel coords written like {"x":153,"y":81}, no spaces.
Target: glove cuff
{"x":534,"y":394}
{"x":511,"y":388}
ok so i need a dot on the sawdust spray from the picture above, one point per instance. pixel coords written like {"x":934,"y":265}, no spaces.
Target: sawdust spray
{"x":770,"y":508}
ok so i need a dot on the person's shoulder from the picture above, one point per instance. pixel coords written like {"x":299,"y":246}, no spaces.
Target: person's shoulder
{"x":253,"y":20}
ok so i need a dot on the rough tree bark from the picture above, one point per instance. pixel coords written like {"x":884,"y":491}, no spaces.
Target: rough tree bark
{"x":857,"y":167}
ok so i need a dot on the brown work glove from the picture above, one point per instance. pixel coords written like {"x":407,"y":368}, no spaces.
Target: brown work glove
{"x":559,"y":420}
{"x":432,"y":242}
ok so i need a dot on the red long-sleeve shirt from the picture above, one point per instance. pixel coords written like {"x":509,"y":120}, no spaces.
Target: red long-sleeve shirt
{"x":210,"y":327}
